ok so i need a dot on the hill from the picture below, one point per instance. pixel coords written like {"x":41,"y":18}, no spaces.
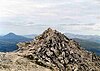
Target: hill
{"x":14,"y":38}
{"x":8,"y":42}
{"x":92,"y":38}
{"x":89,"y":45}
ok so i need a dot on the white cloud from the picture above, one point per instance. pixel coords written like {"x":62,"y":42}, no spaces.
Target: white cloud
{"x":14,"y":7}
{"x":75,"y":15}
{"x":96,"y":27}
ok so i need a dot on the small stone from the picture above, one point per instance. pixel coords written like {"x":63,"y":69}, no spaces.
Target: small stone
{"x":39,"y":49}
{"x":62,"y":61}
{"x":66,"y":60}
{"x":63,"y":54}
{"x":43,"y":56}
{"x":52,"y":49}
{"x":49,"y":53}
{"x":60,"y":58}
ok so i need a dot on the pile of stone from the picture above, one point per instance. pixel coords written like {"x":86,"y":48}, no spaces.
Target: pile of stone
{"x":59,"y":53}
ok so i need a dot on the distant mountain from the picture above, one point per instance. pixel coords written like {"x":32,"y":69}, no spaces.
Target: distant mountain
{"x":14,"y":38}
{"x":8,"y":42}
{"x":9,"y":35}
{"x":89,"y":42}
{"x":89,"y":45}
{"x":93,"y":38}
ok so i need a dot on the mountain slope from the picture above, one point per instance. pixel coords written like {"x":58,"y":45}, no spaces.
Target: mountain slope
{"x":89,"y":45}
{"x":8,"y":42}
{"x":13,"y":38}
{"x":93,"y":38}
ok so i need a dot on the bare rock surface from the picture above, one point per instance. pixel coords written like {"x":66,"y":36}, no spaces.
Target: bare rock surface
{"x":50,"y":51}
{"x":14,"y":62}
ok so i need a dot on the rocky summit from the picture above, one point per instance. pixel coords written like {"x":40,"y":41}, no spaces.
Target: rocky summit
{"x":50,"y":51}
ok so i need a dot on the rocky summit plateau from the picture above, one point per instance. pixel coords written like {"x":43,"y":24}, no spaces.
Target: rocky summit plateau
{"x":50,"y":51}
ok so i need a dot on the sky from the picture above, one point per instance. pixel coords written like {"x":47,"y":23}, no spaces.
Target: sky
{"x":34,"y":16}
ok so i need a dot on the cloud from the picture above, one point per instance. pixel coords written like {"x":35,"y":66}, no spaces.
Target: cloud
{"x":65,"y":15}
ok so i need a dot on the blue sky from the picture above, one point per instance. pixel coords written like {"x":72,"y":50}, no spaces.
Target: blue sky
{"x":34,"y":16}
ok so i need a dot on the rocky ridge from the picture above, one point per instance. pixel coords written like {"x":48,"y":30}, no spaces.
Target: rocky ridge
{"x":55,"y":52}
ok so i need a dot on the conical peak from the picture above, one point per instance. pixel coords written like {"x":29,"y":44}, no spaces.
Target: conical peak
{"x":45,"y":34}
{"x":49,"y":31}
